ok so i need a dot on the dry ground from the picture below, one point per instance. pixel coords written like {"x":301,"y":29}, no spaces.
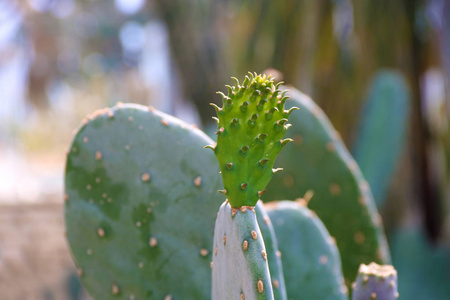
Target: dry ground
{"x":35,"y":263}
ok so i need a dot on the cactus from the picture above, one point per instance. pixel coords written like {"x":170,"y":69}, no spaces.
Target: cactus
{"x":311,"y":262}
{"x":317,"y":160}
{"x":141,"y":202}
{"x":251,"y":127}
{"x":375,"y":282}
{"x":382,"y":131}
{"x":141,"y":205}
{"x":240,"y":269}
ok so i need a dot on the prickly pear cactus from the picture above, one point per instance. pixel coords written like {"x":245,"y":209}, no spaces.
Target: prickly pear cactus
{"x":375,"y":282}
{"x":311,"y":261}
{"x":140,"y":207}
{"x":251,"y":127}
{"x":273,"y":253}
{"x":240,"y":269}
{"x":382,"y":131}
{"x":318,"y":160}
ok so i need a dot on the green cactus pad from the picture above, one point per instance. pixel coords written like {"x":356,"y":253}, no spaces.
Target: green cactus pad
{"x":319,"y":162}
{"x":251,"y":127}
{"x":375,"y":282}
{"x":311,"y":261}
{"x":141,"y":203}
{"x":240,"y":269}
{"x":273,"y":253}
{"x":382,"y":131}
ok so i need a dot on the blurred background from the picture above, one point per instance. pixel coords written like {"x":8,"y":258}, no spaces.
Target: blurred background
{"x":380,"y":69}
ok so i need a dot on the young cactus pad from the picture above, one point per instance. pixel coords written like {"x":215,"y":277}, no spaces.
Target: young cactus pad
{"x":251,"y":127}
{"x":311,"y":261}
{"x":140,"y":207}
{"x":375,"y":282}
{"x":240,"y":269}
{"x":318,"y":160}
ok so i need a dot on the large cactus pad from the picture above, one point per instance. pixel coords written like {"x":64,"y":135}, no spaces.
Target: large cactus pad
{"x":141,"y":202}
{"x":311,"y":261}
{"x":318,"y":161}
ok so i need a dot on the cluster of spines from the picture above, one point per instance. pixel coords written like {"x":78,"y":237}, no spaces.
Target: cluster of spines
{"x":251,"y":125}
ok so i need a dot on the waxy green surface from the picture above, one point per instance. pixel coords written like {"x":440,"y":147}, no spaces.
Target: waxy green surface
{"x":311,"y":261}
{"x":141,"y":201}
{"x":319,"y":162}
{"x":240,"y":269}
{"x":251,"y":127}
